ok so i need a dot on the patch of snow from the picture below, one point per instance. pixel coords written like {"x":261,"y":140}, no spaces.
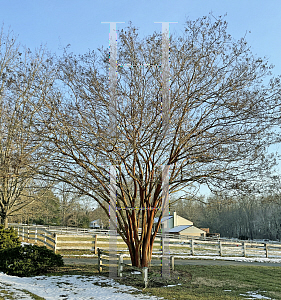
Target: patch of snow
{"x":237,"y":258}
{"x":136,"y":272}
{"x":203,"y":256}
{"x":18,"y":293}
{"x":69,"y":286}
{"x":255,"y":295}
{"x":24,"y":243}
{"x":172,"y":285}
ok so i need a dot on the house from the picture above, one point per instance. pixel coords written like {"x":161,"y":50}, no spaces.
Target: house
{"x":180,"y":226}
{"x":96,"y":224}
{"x":188,"y":230}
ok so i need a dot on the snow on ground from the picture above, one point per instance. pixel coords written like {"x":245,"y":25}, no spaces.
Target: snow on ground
{"x":70,"y":287}
{"x":254,"y":295}
{"x":237,"y":258}
{"x":24,"y":243}
{"x":210,"y":257}
{"x":73,"y":287}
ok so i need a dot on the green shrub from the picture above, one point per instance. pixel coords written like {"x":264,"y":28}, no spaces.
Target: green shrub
{"x":8,"y":238}
{"x":28,"y":260}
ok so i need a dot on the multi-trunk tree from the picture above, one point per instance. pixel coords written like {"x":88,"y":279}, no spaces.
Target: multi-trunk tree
{"x":222,"y":109}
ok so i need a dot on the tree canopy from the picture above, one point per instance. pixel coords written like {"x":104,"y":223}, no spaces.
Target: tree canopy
{"x":25,"y":79}
{"x":223,"y":109}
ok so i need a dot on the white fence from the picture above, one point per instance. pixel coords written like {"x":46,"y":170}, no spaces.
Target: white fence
{"x":104,"y":255}
{"x":76,"y":230}
{"x":69,"y":239}
{"x":37,"y":235}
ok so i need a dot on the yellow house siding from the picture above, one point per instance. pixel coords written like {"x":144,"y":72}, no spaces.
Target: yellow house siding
{"x":183,"y":221}
{"x":193,"y":231}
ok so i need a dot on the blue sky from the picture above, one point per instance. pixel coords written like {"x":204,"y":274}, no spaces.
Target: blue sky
{"x":57,"y":23}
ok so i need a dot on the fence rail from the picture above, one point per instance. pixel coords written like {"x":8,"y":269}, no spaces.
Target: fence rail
{"x":56,"y":240}
{"x":103,"y":253}
{"x":76,"y":244}
{"x":38,"y":235}
{"x":76,"y":230}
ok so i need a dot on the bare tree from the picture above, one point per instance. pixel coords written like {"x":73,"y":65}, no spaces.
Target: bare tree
{"x":221,"y":115}
{"x":69,"y":205}
{"x":44,"y":209}
{"x":24,"y":81}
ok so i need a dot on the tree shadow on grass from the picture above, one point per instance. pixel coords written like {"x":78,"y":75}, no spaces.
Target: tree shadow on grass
{"x":155,"y":278}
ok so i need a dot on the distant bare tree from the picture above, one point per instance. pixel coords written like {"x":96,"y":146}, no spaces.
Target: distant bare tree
{"x":69,"y":205}
{"x":25,"y":79}
{"x":221,"y":117}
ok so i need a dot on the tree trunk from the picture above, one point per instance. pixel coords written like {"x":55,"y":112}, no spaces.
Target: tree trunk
{"x":135,"y":255}
{"x":4,"y":221}
{"x":141,"y":255}
{"x":145,"y":250}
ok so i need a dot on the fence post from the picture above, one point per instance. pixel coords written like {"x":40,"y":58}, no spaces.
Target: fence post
{"x":144,"y":276}
{"x":99,"y":260}
{"x":22,"y":233}
{"x":220,"y":244}
{"x":192,"y":247}
{"x":28,"y":234}
{"x":36,"y":235}
{"x":173,"y":263}
{"x":56,"y":239}
{"x":45,"y":233}
{"x":244,"y":249}
{"x":120,"y":265}
{"x":266,"y":250}
{"x":96,"y":243}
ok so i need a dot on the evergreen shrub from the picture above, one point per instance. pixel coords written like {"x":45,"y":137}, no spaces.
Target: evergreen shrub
{"x":8,"y":238}
{"x":28,"y":260}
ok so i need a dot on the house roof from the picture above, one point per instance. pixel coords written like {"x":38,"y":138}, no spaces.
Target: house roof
{"x":179,"y":228}
{"x":163,"y":219}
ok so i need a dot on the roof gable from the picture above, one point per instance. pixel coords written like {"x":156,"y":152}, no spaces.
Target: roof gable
{"x":163,"y":219}
{"x":179,"y":220}
{"x":179,"y":228}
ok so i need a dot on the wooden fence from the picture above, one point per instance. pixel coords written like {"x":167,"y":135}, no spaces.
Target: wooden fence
{"x":76,"y":230}
{"x":104,"y":255}
{"x":78,"y":242}
{"x":177,"y":247}
{"x":37,"y":236}
{"x":232,"y":249}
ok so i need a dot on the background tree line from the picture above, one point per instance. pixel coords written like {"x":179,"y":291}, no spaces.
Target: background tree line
{"x":57,"y":208}
{"x":244,"y":217}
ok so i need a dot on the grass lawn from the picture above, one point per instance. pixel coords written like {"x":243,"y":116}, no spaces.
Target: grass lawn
{"x":12,"y":296}
{"x":196,"y":282}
